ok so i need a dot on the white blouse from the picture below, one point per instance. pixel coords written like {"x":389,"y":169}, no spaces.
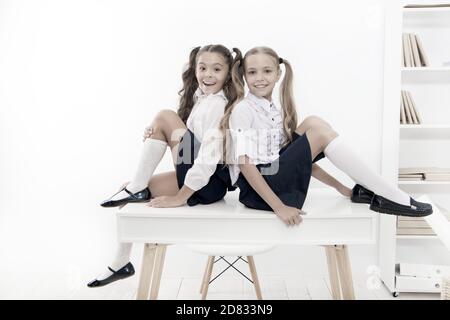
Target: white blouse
{"x":256,"y":129}
{"x":204,"y":121}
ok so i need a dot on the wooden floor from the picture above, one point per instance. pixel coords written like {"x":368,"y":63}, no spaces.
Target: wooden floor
{"x":224,"y":288}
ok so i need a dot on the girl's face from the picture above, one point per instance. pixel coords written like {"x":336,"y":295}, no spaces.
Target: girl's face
{"x":261,"y":74}
{"x":211,"y":72}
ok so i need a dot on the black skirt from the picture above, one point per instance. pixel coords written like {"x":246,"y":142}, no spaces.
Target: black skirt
{"x":219,"y":183}
{"x":290,"y":181}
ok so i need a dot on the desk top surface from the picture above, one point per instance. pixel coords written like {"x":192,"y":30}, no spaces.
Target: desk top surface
{"x":320,"y":203}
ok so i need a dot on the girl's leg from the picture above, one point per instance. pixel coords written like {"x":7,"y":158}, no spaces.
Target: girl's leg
{"x":310,"y":121}
{"x":164,"y":184}
{"x":168,"y":129}
{"x":323,"y":138}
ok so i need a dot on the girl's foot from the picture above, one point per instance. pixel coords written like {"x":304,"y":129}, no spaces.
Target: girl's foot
{"x":361,"y":194}
{"x":140,"y":196}
{"x":124,"y":272}
{"x":415,"y":209}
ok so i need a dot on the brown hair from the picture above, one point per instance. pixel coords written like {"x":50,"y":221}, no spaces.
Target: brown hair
{"x":286,"y":94}
{"x":190,"y":83}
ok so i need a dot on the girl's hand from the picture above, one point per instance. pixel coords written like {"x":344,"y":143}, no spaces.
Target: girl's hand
{"x":166,"y":202}
{"x":289,"y":215}
{"x":346,"y":192}
{"x":147,"y":133}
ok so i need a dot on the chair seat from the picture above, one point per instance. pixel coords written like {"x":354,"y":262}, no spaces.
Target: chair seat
{"x":230,"y":250}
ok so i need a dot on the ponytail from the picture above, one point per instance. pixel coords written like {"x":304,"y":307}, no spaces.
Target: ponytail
{"x":237,"y":85}
{"x":287,"y":102}
{"x":190,"y":85}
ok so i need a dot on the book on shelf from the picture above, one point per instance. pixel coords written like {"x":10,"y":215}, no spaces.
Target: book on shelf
{"x":406,"y":51}
{"x":416,"y":231}
{"x":412,"y":224}
{"x":404,"y":218}
{"x":411,"y":177}
{"x":408,"y":109}
{"x":423,"y":57}
{"x":414,"y":108}
{"x":402,"y":111}
{"x":413,"y":51}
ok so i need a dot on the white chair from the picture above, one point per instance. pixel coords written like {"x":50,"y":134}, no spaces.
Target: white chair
{"x":213,"y":250}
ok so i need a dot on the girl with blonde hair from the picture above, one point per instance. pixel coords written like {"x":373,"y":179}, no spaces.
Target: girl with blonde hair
{"x":272,"y":158}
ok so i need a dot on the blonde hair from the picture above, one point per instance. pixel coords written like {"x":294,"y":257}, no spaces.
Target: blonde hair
{"x":286,"y":94}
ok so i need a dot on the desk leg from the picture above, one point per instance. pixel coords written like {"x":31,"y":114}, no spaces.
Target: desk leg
{"x":205,"y":275}
{"x":251,"y":263}
{"x":148,"y":260}
{"x":333,"y":272}
{"x":208,"y":277}
{"x":345,"y":272}
{"x":159,"y":265}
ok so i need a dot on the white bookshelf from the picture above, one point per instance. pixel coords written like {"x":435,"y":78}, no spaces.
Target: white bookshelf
{"x":423,"y":145}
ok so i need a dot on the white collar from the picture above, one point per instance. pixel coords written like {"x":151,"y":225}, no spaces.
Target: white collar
{"x":261,"y":102}
{"x":199,"y":94}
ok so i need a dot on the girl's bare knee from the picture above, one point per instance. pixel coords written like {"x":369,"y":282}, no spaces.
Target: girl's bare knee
{"x":321,"y":135}
{"x":163,"y":114}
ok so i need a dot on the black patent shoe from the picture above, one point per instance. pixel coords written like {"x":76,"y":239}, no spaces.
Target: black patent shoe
{"x":416,"y":209}
{"x":122,"y":273}
{"x":361,"y":194}
{"x":140,"y":196}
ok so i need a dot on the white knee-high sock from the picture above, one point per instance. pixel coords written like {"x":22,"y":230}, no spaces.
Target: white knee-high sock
{"x":121,"y":259}
{"x":342,"y":156}
{"x":152,"y":152}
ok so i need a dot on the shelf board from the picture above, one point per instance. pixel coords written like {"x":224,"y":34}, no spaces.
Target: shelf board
{"x":424,"y":182}
{"x":425,"y":74}
{"x":424,"y":131}
{"x":425,"y":69}
{"x":425,"y":126}
{"x":427,"y":10}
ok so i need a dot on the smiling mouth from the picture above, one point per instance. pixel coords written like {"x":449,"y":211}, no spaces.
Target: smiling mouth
{"x":261,"y":86}
{"x":208,"y":84}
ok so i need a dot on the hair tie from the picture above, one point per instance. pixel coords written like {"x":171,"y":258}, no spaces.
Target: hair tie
{"x":280,"y":60}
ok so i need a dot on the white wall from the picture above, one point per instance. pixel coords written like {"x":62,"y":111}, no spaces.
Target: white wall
{"x":79,"y":81}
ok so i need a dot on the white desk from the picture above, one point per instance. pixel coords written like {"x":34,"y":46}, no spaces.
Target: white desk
{"x":332,"y":221}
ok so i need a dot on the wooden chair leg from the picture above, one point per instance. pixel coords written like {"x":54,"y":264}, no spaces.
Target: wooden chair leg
{"x":208,"y":277}
{"x":251,"y":264}
{"x":159,"y":265}
{"x":345,"y":272}
{"x":205,"y":273}
{"x":333,"y":272}
{"x":145,"y":279}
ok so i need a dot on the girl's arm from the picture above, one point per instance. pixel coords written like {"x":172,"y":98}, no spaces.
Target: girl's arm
{"x":289,"y":215}
{"x":173,"y":201}
{"x":323,"y":176}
